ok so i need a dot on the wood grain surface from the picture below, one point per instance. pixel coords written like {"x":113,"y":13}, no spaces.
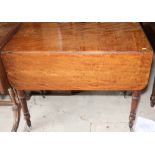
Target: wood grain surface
{"x":78,"y":56}
{"x":77,"y":37}
{"x":7,"y":30}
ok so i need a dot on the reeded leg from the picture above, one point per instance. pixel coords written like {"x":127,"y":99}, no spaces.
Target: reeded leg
{"x":134,"y":105}
{"x":22,"y":100}
{"x":152,"y":98}
{"x":16,"y":108}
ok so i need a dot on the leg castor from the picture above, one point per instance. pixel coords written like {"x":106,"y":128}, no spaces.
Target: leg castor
{"x":134,"y":105}
{"x":152,"y":98}
{"x":16,"y":112}
{"x":152,"y":101}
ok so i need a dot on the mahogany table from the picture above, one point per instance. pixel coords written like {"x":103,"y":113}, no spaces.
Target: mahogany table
{"x":77,"y":56}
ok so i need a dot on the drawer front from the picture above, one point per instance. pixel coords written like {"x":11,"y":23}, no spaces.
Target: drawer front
{"x":60,"y":71}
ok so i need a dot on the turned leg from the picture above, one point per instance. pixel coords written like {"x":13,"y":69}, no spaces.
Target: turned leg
{"x":22,"y":99}
{"x":134,"y":105}
{"x":152,"y":98}
{"x":16,"y":108}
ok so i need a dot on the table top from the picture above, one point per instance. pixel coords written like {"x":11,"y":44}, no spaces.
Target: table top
{"x":78,"y":37}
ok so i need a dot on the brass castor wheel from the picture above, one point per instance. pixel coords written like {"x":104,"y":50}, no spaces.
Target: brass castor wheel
{"x":152,"y":99}
{"x":152,"y":104}
{"x":131,"y":126}
{"x":131,"y":121}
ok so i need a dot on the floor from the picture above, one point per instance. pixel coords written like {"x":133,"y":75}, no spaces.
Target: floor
{"x":85,"y":111}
